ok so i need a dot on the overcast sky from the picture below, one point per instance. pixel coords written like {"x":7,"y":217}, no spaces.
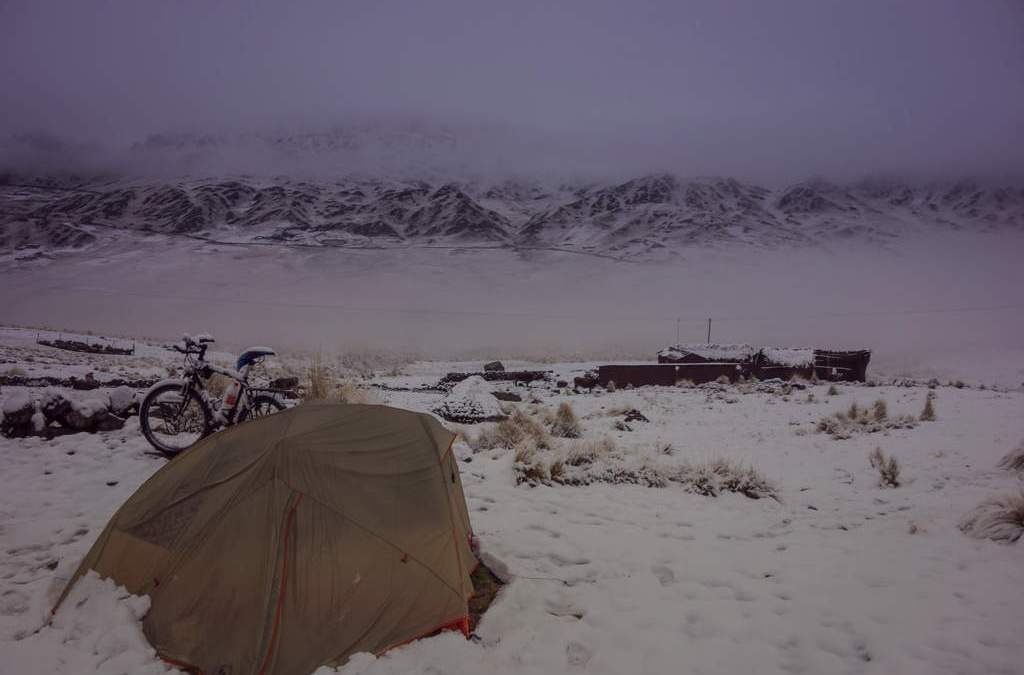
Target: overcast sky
{"x":716,"y":86}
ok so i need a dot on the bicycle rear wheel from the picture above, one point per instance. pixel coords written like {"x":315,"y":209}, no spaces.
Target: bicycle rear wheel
{"x":261,"y":405}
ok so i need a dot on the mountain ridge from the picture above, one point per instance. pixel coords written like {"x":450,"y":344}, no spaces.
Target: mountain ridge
{"x":650,"y":216}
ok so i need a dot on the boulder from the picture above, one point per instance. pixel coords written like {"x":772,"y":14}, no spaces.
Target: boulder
{"x":287,"y":383}
{"x":122,"y":401}
{"x":35,"y":415}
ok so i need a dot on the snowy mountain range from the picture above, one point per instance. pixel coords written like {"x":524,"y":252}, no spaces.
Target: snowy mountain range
{"x":650,"y":216}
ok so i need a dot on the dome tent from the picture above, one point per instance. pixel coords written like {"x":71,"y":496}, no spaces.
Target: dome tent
{"x":296,"y":540}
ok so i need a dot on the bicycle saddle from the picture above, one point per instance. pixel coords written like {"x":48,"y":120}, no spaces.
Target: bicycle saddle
{"x":251,"y":354}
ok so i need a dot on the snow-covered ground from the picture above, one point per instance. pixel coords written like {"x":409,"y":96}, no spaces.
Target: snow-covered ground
{"x":839,"y":575}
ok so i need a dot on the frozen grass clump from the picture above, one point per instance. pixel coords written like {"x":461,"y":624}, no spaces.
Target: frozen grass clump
{"x":509,"y":433}
{"x":365,"y":363}
{"x":584,"y":453}
{"x":319,"y":380}
{"x":718,"y":476}
{"x":321,"y":386}
{"x":857,"y":420}
{"x":527,"y":464}
{"x":1013,"y":460}
{"x":565,"y":424}
{"x":998,"y":518}
{"x":350,"y":393}
{"x":888,"y":468}
{"x":600,"y":461}
{"x":928,"y":414}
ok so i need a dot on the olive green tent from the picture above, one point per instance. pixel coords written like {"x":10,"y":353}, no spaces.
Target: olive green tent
{"x":296,"y":540}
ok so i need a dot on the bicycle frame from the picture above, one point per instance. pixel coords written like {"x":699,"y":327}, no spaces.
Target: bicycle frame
{"x":199,"y":369}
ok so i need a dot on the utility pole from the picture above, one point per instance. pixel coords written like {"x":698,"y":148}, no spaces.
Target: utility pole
{"x":709,"y":331}
{"x":677,"y":331}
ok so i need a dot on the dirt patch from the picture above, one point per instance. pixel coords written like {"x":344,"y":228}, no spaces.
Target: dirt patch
{"x":485,"y":588}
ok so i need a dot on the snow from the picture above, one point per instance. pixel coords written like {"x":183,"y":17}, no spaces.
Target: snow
{"x":784,"y":356}
{"x":470,"y":401}
{"x":838,"y":576}
{"x":121,"y":398}
{"x":16,"y":401}
{"x":98,"y":630}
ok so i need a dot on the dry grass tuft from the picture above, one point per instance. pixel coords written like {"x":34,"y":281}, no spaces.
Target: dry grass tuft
{"x":511,"y":432}
{"x":527,"y":464}
{"x":322,"y":387}
{"x":557,"y":470}
{"x":832,"y":391}
{"x":319,"y":386}
{"x":846,"y":423}
{"x":928,"y":414}
{"x":565,"y":424}
{"x":1013,"y":460}
{"x":584,"y":453}
{"x":997,"y":518}
{"x":714,"y":477}
{"x":350,"y":393}
{"x":888,"y":468}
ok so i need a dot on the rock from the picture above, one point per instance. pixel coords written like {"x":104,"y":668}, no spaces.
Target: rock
{"x":18,"y":410}
{"x":25,"y":415}
{"x":586,"y":381}
{"x":494,"y":367}
{"x":122,"y":401}
{"x":507,"y":396}
{"x":562,"y":384}
{"x":634,"y":415}
{"x":285,"y":383}
{"x":106,"y":421}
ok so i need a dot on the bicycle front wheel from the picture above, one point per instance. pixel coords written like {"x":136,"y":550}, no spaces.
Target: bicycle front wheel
{"x":261,"y":405}
{"x":173,"y":417}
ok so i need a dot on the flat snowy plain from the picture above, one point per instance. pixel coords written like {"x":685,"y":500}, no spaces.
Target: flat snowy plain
{"x":839,"y":575}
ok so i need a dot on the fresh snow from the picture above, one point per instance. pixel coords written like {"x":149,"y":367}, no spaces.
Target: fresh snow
{"x":470,"y":400}
{"x":784,"y":356}
{"x":839,"y":576}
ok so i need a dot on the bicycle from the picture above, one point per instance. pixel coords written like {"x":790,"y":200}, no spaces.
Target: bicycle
{"x":177,"y":412}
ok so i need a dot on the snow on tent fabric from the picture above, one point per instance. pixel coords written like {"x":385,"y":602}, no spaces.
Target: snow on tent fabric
{"x":296,"y":540}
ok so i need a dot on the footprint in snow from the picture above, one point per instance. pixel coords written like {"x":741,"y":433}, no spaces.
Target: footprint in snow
{"x":663,"y":574}
{"x":577,"y":654}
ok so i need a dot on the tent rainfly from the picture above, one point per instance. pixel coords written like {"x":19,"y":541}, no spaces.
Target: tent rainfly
{"x":296,"y":540}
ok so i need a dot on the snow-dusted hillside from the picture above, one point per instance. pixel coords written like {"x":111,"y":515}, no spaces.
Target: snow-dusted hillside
{"x":650,"y":217}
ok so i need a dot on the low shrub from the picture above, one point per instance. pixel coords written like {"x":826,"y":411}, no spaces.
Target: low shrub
{"x":512,"y":431}
{"x":565,"y":423}
{"x":527,"y":464}
{"x":319,"y":380}
{"x":888,"y":468}
{"x":998,"y":518}
{"x":1013,"y":460}
{"x":928,"y":414}
{"x":846,"y":423}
